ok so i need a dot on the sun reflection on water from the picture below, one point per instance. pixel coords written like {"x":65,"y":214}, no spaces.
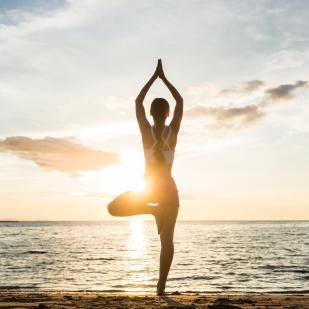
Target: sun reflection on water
{"x":136,"y":241}
{"x":136,"y":255}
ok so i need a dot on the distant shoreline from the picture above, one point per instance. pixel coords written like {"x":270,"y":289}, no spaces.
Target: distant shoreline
{"x":124,"y":220}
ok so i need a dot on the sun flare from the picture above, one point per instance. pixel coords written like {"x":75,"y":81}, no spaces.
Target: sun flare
{"x":126,"y":176}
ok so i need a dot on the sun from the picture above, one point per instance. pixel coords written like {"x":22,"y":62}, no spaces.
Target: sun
{"x":126,"y":176}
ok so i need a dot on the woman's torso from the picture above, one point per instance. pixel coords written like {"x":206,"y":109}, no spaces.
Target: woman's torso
{"x":159,"y":149}
{"x":159,"y":182}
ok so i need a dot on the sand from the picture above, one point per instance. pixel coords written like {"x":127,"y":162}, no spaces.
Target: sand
{"x":93,"y":300}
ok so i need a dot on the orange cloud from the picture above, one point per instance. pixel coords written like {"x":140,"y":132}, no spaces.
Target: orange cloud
{"x":61,"y":154}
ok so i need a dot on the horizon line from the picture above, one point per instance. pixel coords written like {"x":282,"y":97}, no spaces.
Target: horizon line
{"x":215,"y":220}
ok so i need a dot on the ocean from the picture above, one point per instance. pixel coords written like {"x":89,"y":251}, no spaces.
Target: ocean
{"x":123,"y":256}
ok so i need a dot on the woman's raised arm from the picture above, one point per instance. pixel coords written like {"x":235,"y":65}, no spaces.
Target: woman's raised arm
{"x":178,"y":112}
{"x":139,"y":107}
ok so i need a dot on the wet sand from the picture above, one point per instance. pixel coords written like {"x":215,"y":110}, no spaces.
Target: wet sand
{"x":44,"y":300}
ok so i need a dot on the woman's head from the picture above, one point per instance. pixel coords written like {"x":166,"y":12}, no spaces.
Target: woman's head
{"x":159,"y":109}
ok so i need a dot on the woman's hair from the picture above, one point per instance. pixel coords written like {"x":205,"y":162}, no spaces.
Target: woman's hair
{"x":159,"y":109}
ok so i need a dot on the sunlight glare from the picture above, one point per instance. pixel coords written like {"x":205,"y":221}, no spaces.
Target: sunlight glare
{"x":126,"y":176}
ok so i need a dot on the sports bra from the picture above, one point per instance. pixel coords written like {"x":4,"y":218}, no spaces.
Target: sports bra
{"x":167,"y":151}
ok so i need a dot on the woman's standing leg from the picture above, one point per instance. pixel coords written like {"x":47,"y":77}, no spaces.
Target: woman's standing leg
{"x":167,"y":246}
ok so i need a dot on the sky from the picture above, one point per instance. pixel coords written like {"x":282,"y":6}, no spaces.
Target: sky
{"x":71,"y":70}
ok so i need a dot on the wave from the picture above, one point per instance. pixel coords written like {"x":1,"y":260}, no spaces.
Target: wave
{"x":194,"y":278}
{"x":288,"y":268}
{"x":100,"y":259}
{"x":34,"y":252}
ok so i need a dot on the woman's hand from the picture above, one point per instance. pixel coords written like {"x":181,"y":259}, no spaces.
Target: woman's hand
{"x":159,"y":69}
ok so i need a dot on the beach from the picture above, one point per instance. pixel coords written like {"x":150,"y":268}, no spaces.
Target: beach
{"x":58,"y":299}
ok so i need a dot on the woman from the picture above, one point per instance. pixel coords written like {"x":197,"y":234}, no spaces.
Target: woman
{"x":159,"y":142}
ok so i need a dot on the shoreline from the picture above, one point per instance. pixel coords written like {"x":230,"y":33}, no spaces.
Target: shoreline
{"x":16,"y":289}
{"x":99,"y":299}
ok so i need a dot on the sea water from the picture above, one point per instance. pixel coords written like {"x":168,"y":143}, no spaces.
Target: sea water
{"x":225,"y":256}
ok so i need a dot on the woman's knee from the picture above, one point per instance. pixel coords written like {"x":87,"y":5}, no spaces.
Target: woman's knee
{"x":167,"y":242}
{"x":114,"y":205}
{"x":111,"y":208}
{"x":120,"y":205}
{"x":167,"y":247}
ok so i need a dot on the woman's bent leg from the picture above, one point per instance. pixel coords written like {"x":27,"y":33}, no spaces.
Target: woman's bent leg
{"x":167,"y":246}
{"x":130,"y":203}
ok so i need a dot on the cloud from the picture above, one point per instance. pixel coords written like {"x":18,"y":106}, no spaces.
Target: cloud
{"x":60,"y":154}
{"x":210,"y":89}
{"x":284,"y":92}
{"x":64,"y":59}
{"x":286,"y":59}
{"x":241,"y":112}
{"x":244,"y":115}
{"x":23,"y":21}
{"x":247,"y":88}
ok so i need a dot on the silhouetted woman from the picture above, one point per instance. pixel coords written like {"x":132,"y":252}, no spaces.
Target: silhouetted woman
{"x":159,"y":142}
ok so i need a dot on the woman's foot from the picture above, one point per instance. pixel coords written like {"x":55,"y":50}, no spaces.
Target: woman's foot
{"x":160,"y":289}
